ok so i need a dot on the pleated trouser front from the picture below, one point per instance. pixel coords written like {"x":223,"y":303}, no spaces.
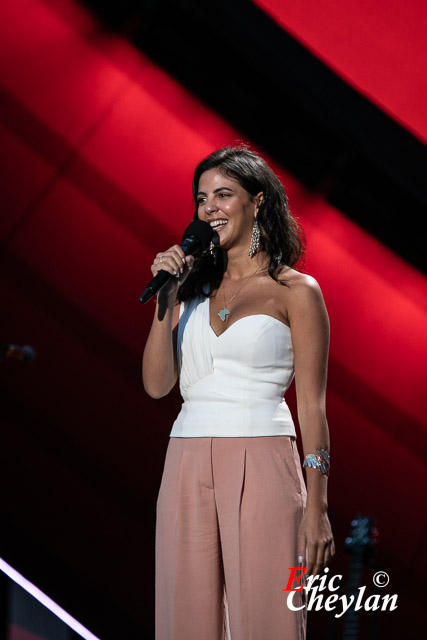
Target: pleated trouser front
{"x":228,"y":515}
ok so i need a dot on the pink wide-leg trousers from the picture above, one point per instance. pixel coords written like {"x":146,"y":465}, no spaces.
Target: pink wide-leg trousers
{"x":228,"y":515}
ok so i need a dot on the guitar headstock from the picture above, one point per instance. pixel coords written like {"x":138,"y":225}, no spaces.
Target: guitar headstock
{"x":363,"y":537}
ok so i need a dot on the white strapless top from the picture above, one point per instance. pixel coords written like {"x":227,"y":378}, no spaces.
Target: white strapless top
{"x":233,"y":384}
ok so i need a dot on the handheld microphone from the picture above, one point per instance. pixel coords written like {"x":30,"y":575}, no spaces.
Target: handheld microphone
{"x":196,"y":238}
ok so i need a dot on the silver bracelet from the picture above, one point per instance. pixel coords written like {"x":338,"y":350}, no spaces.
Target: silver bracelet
{"x":320,"y":461}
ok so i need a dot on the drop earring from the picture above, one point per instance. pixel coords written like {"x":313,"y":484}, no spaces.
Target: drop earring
{"x":254,"y":246}
{"x":213,"y":250}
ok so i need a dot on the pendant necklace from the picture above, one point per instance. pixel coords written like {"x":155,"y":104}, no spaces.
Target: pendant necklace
{"x":223,"y":313}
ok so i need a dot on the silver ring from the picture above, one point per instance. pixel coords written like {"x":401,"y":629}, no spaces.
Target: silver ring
{"x":161,"y":259}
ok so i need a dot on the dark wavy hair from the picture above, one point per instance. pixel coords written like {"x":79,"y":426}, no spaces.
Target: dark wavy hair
{"x":281,"y":236}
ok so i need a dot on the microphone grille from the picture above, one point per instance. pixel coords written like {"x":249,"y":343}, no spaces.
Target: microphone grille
{"x":200,"y":230}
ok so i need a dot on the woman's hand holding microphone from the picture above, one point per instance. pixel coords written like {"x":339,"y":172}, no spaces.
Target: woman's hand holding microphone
{"x":174,"y":261}
{"x":177,"y":261}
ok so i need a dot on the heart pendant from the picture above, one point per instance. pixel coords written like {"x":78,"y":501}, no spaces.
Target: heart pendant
{"x":222,"y":313}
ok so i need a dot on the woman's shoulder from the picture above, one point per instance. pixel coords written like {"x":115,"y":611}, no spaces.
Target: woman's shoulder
{"x":297,"y":282}
{"x":301,"y":292}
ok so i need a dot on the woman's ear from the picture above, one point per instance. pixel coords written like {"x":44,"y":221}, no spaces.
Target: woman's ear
{"x":258,"y":201}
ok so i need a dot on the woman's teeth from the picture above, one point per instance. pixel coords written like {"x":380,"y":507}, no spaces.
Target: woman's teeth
{"x":218,"y":223}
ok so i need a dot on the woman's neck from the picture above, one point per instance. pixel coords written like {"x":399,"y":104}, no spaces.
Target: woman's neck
{"x":240,"y":265}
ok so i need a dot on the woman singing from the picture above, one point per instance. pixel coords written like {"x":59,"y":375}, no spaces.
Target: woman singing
{"x":235,"y":325}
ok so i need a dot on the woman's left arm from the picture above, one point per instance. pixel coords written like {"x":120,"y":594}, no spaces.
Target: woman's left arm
{"x":309,"y":324}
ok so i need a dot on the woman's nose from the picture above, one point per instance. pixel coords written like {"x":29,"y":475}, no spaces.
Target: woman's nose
{"x":210,"y":207}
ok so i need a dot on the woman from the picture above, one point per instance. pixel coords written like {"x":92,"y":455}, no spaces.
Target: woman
{"x":233,"y":511}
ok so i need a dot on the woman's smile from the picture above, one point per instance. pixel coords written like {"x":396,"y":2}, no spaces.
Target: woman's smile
{"x":218,"y":224}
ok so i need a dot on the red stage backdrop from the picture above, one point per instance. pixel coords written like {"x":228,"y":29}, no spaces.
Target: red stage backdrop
{"x":377,"y":47}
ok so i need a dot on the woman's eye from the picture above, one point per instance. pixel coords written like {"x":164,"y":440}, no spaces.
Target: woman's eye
{"x":200,"y":200}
